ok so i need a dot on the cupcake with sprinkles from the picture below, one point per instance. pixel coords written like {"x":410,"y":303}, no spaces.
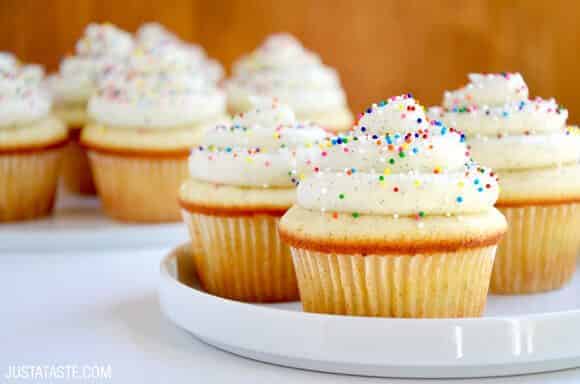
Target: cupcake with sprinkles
{"x":31,"y":142}
{"x":282,"y":68}
{"x":536,"y":156}
{"x":393,"y":219}
{"x":72,"y":86}
{"x":241,"y":184}
{"x":148,"y":113}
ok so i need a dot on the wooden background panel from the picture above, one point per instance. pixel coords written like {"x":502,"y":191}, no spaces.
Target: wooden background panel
{"x":381,"y":48}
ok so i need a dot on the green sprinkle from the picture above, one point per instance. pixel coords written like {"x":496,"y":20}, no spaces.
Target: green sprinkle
{"x":421,"y":214}
{"x":341,"y":196}
{"x":401,"y":154}
{"x":355,"y":215}
{"x":382,"y":178}
{"x":391,"y":161}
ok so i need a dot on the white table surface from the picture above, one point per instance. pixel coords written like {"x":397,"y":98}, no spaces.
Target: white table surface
{"x":101,"y":308}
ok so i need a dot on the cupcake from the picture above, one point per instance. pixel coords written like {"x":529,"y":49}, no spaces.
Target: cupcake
{"x":31,"y":142}
{"x":391,"y":220}
{"x":283,"y":69}
{"x":101,"y":45}
{"x":241,"y":184}
{"x":147,"y":114}
{"x":536,"y":156}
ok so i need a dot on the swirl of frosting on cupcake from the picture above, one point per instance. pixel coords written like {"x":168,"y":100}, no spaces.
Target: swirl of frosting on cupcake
{"x":281,"y":68}
{"x":156,"y":40}
{"x":278,"y":51}
{"x":507,"y":130}
{"x":151,"y":91}
{"x":101,"y":45}
{"x":395,"y":162}
{"x":256,"y":150}
{"x":22,"y":96}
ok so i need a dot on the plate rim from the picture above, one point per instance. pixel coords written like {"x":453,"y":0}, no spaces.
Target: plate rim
{"x":506,"y":364}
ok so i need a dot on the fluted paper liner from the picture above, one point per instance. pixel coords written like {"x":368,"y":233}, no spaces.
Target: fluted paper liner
{"x":28,"y":184}
{"x":138,"y":189}
{"x":242,"y":257}
{"x":538,"y":253}
{"x":453,"y":284}
{"x":76,"y":171}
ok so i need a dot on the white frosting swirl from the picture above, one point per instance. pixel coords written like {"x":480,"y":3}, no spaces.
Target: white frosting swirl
{"x":22,"y":96}
{"x":488,"y":89}
{"x":152,"y":91}
{"x":101,"y":45}
{"x":505,"y":129}
{"x":396,"y":162}
{"x":156,"y":40}
{"x":256,"y":150}
{"x":281,"y":68}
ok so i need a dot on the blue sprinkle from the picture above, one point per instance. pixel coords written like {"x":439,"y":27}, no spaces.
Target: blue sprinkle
{"x":459,"y":199}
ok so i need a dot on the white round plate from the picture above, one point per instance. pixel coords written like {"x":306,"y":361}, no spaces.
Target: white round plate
{"x":518,"y":334}
{"x":78,"y":223}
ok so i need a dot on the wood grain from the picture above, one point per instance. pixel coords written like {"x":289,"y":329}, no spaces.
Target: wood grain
{"x":381,"y":48}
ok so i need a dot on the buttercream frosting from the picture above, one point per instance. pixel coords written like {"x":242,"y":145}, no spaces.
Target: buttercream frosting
{"x":23,"y":98}
{"x":506,"y":130}
{"x":256,"y":150}
{"x":156,"y":40}
{"x":100,"y":46}
{"x":395,"y":162}
{"x":283,"y":69}
{"x":154,"y":91}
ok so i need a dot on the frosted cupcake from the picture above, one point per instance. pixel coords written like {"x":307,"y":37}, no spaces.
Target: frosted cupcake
{"x":241,"y":184}
{"x":101,"y":45}
{"x":148,"y":114}
{"x":155,"y":39}
{"x":536,"y":155}
{"x":283,"y":69}
{"x":31,"y":142}
{"x":394,"y":220}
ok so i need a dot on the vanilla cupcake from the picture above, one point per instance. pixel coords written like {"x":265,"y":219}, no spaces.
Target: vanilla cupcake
{"x":394,"y":220}
{"x":281,"y":68}
{"x":101,"y":45}
{"x":241,"y":184}
{"x":148,"y":114}
{"x":536,"y":156}
{"x":31,"y":142}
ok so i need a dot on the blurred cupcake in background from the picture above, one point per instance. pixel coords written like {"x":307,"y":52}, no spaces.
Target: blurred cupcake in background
{"x":241,"y":184}
{"x":101,"y":45}
{"x":148,"y":113}
{"x":155,"y":39}
{"x":282,"y":68}
{"x":536,"y":156}
{"x":31,"y":142}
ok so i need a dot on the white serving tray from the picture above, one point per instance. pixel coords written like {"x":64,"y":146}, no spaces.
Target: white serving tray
{"x":78,"y":223}
{"x":518,"y":334}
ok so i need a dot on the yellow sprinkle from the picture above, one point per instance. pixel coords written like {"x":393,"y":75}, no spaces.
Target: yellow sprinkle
{"x":461,"y":184}
{"x":249,"y":159}
{"x":308,"y":145}
{"x":301,"y":176}
{"x":387,"y":171}
{"x":417,"y":183}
